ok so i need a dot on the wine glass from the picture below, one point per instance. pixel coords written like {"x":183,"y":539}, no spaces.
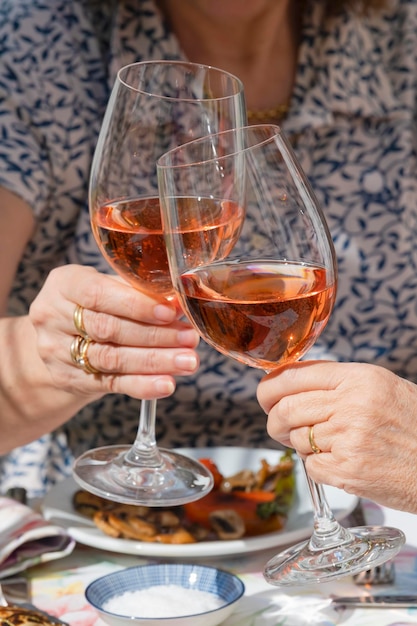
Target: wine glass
{"x":154,"y":106}
{"x":266,"y":303}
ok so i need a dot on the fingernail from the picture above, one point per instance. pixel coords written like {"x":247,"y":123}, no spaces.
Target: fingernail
{"x":187,"y":362}
{"x":164,"y":313}
{"x":188,"y":337}
{"x":164,"y":387}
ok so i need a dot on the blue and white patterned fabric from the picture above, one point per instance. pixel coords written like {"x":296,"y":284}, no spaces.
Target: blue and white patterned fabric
{"x":353,"y":125}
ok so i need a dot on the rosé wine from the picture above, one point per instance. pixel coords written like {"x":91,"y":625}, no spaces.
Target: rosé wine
{"x":130,"y":236}
{"x":262,"y":313}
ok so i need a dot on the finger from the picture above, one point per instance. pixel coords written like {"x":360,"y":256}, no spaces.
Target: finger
{"x":111,"y":329}
{"x":141,"y":387}
{"x":52,"y":312}
{"x":114,"y":359}
{"x":300,"y":410}
{"x":92,"y":377}
{"x":105,"y":294}
{"x":311,"y":439}
{"x":296,"y":378}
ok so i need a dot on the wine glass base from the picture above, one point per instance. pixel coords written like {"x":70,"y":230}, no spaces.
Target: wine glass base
{"x":300,"y":565}
{"x":108,"y":473}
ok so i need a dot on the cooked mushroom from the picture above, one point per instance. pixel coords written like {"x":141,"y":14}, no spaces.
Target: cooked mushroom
{"x":179,"y":536}
{"x":132,"y":527}
{"x":268,"y":475}
{"x":101,"y":520}
{"x":88,"y":504}
{"x":164,"y":518}
{"x":244,"y":480}
{"x":227,"y":524}
{"x":200,"y":533}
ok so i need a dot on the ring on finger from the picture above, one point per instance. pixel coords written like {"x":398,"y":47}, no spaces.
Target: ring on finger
{"x":312,"y":441}
{"x":79,"y":321}
{"x":78,"y":349}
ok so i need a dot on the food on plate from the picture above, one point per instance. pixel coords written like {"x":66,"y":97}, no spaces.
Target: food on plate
{"x":251,"y":502}
{"x":248,"y":503}
{"x":14,"y":615}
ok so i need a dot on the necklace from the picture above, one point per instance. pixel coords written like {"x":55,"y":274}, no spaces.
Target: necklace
{"x":268,"y":115}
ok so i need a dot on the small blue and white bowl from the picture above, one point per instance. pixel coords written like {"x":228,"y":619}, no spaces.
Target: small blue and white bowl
{"x":154,"y":595}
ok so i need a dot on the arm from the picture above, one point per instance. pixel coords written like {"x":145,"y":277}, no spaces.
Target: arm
{"x":365,"y":423}
{"x":139,"y":343}
{"x":16,"y":227}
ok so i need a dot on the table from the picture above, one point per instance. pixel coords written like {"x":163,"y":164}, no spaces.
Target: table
{"x":58,"y":586}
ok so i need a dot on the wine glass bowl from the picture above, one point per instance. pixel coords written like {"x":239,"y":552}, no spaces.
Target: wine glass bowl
{"x":154,"y":106}
{"x":249,"y":327}
{"x":265,"y":298}
{"x":129,"y":235}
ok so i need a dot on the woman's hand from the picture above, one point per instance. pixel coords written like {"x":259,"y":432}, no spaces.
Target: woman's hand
{"x":138,"y":345}
{"x":365,"y":426}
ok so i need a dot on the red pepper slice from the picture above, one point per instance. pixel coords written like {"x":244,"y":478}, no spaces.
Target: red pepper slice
{"x":198,"y":512}
{"x":255,"y":496}
{"x":212,"y":467}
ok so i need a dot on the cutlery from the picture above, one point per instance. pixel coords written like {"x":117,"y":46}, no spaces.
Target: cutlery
{"x":14,"y":591}
{"x":379,"y":575}
{"x":398,"y":601}
{"x":17,"y":493}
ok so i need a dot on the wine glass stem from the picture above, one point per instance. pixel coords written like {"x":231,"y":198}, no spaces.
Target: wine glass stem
{"x":144,"y":452}
{"x":327,"y":530}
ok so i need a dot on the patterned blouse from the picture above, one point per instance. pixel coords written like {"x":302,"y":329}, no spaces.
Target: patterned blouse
{"x":353,"y":125}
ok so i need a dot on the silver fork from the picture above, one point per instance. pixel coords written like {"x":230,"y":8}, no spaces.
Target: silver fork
{"x":379,"y":575}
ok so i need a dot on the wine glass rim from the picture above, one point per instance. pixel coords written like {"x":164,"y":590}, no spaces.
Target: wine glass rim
{"x":179,"y":62}
{"x":276,"y":134}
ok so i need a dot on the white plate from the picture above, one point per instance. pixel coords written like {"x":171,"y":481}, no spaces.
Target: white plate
{"x":57,"y":507}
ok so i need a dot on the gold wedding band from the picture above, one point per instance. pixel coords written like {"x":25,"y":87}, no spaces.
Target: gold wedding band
{"x":79,"y":321}
{"x":79,"y":347}
{"x":313,"y":444}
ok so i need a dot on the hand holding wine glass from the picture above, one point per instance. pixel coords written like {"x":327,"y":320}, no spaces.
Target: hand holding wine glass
{"x":268,"y":300}
{"x":154,"y":106}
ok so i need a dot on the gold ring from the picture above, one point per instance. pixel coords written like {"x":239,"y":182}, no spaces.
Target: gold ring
{"x":79,"y":322}
{"x":313,"y":444}
{"x":79,"y":347}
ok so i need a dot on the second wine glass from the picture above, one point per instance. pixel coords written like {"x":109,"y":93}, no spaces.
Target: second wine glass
{"x":268,"y":300}
{"x":154,"y":106}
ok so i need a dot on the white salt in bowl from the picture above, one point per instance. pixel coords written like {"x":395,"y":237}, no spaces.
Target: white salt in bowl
{"x":166,"y":594}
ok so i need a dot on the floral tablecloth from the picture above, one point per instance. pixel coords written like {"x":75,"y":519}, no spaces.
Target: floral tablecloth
{"x":58,"y":588}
